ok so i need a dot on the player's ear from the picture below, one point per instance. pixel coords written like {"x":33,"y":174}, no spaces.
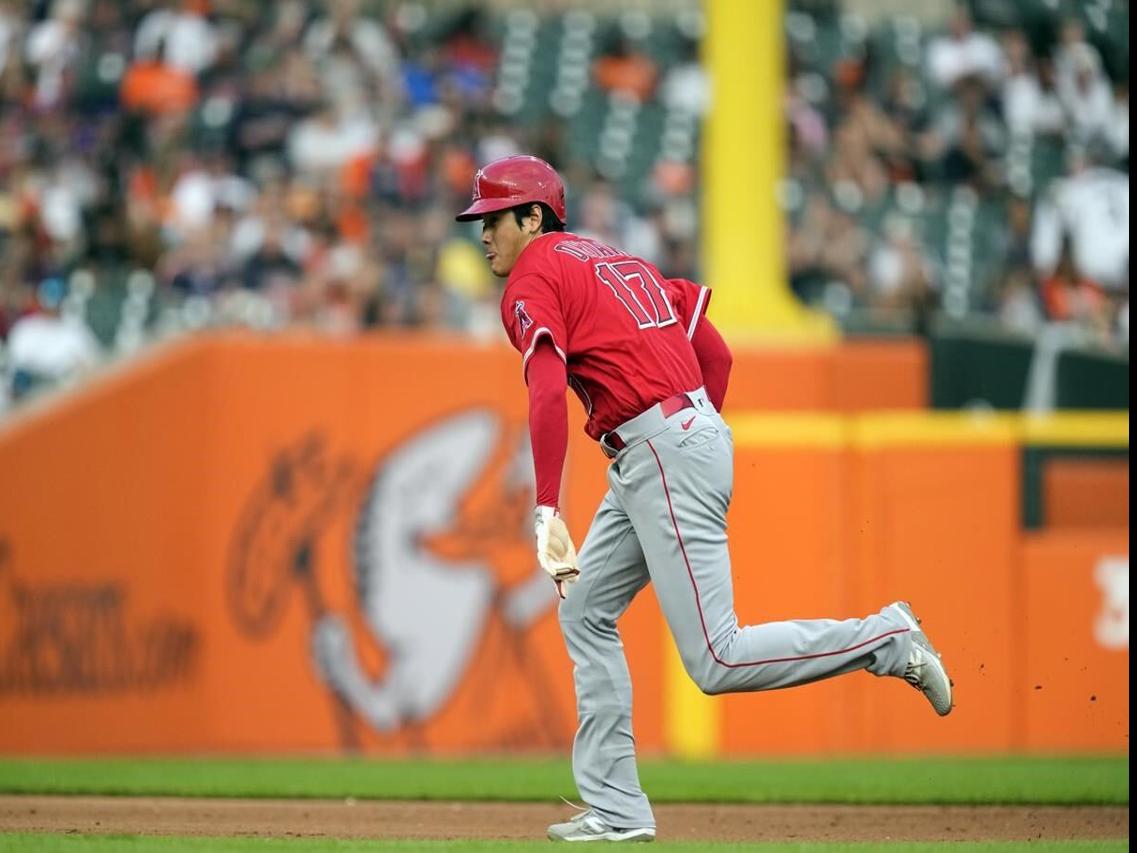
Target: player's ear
{"x":536,"y":217}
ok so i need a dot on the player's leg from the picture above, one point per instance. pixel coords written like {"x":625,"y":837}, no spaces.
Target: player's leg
{"x":612,"y":571}
{"x":677,"y":488}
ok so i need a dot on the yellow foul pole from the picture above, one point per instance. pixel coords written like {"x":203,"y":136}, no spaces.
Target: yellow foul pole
{"x":743,"y":157}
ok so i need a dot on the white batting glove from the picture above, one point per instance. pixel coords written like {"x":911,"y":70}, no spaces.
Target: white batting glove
{"x":555,"y":551}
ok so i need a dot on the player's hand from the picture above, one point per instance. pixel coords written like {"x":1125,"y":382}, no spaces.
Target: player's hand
{"x":555,"y":551}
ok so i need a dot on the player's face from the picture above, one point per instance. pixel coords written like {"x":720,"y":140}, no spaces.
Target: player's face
{"x":503,"y":239}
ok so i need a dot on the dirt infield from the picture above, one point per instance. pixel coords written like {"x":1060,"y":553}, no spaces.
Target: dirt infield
{"x":442,"y":820}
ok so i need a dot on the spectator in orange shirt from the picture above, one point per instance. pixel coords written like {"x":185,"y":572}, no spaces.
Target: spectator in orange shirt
{"x":1072,"y":297}
{"x":151,"y":86}
{"x":622,"y":69}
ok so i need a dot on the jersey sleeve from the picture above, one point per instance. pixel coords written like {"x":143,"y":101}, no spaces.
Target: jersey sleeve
{"x":530,"y":310}
{"x":690,"y":301}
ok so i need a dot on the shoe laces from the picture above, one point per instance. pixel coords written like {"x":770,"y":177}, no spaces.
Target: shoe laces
{"x":917,"y":661}
{"x":582,"y":811}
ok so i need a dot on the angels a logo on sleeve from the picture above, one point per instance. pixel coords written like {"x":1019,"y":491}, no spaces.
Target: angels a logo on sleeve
{"x":524,"y":321}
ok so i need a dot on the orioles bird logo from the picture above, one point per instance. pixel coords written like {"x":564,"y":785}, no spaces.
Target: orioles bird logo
{"x":446,"y":585}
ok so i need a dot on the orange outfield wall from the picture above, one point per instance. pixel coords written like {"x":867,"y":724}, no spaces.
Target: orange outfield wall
{"x":842,"y":532}
{"x":1072,"y":686}
{"x":266,"y":545}
{"x":855,"y":376}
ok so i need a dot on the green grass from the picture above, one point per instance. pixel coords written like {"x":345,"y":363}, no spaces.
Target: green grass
{"x":1017,"y":780}
{"x":32,"y":843}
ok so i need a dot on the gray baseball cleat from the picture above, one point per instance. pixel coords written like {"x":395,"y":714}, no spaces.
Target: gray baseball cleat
{"x":586,"y":826}
{"x":925,"y":671}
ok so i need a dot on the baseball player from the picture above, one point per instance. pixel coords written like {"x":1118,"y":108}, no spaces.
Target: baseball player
{"x":652,"y":373}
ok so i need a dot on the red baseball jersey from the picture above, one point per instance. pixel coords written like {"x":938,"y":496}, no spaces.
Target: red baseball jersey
{"x":623,"y":330}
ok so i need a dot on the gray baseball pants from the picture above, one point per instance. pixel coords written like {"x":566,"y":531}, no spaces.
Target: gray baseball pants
{"x":664,"y":520}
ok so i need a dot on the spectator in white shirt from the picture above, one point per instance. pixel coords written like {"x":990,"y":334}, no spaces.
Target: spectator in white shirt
{"x":357,"y":61}
{"x":1092,"y":206}
{"x":10,"y":26}
{"x":1117,"y":131}
{"x":1030,"y":102}
{"x":964,"y":53}
{"x":187,"y":39}
{"x":1085,"y":93}
{"x":52,"y":48}
{"x":326,"y":141}
{"x":46,"y":348}
{"x":686,"y":86}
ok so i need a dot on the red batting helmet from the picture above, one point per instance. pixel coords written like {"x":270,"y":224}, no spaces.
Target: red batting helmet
{"x":515,"y":180}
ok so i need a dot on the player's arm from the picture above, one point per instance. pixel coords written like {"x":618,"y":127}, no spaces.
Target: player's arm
{"x":547,"y":378}
{"x":714,"y":360}
{"x":531,"y":315}
{"x":690,"y":301}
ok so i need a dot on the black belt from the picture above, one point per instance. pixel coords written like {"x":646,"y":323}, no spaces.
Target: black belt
{"x":667,"y":408}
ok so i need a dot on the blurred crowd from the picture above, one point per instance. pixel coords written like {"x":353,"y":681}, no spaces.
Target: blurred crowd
{"x":172,"y":164}
{"x":167,"y":164}
{"x":919,"y":181}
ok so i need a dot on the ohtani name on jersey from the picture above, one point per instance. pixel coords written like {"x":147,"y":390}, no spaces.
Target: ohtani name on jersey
{"x":586,"y":250}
